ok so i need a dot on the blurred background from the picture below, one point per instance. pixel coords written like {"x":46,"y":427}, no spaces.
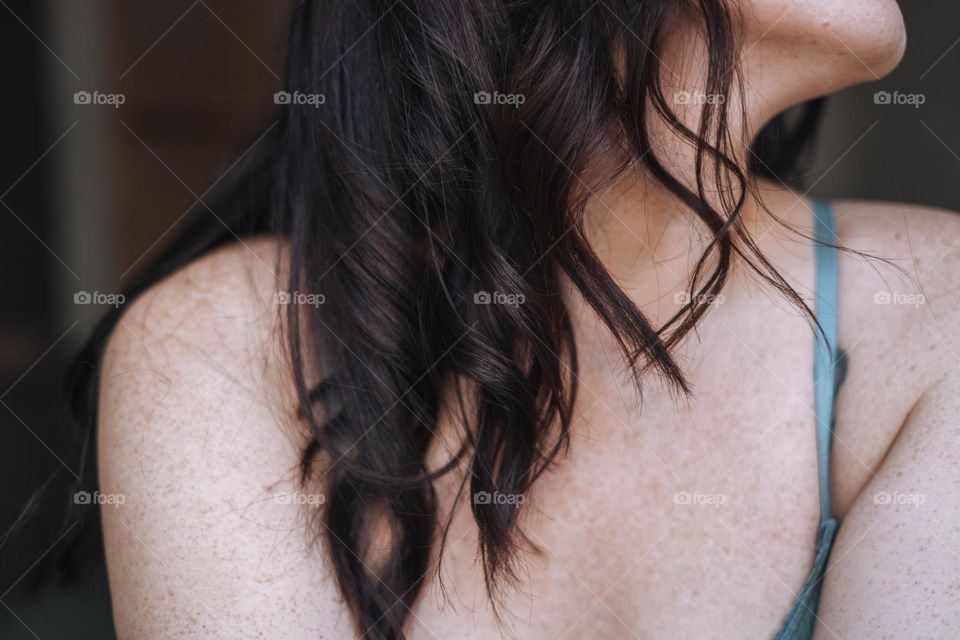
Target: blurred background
{"x":119,"y":116}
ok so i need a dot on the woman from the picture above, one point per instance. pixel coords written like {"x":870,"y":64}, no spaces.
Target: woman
{"x":389,"y":385}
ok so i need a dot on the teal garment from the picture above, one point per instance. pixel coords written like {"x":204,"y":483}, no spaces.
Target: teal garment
{"x":828,"y":369}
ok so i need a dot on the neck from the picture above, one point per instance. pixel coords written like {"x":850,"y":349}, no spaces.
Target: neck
{"x":638,"y":227}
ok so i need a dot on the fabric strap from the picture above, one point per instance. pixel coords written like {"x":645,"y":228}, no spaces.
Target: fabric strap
{"x":826,"y":356}
{"x":828,"y":369}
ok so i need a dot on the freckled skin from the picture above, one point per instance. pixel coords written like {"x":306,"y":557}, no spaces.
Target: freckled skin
{"x":682,"y":519}
{"x":194,"y":398}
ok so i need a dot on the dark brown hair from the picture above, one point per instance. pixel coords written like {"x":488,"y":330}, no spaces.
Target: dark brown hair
{"x":447,"y":155}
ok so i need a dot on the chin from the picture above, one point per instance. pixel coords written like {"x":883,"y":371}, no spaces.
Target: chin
{"x":825,"y":45}
{"x":874,"y":31}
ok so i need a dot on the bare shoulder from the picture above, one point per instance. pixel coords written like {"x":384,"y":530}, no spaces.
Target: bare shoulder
{"x":902,"y":332}
{"x":895,"y":458}
{"x":927,"y":237}
{"x":899,"y":325}
{"x":210,"y":538}
{"x":917,"y":290}
{"x":225,"y":292}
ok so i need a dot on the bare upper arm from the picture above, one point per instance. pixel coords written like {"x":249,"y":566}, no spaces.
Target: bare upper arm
{"x":207,"y":542}
{"x":896,"y":464}
{"x":894,"y":571}
{"x":899,"y":324}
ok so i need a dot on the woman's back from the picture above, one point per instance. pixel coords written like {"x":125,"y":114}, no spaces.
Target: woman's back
{"x":686,"y":518}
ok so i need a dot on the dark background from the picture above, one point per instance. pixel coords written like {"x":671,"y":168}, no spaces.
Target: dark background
{"x":88,"y":191}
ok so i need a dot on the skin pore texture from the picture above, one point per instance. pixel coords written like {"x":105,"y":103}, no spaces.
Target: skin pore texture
{"x":198,"y":429}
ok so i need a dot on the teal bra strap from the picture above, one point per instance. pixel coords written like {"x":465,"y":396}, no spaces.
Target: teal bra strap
{"x":826,"y":355}
{"x":828,"y":373}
